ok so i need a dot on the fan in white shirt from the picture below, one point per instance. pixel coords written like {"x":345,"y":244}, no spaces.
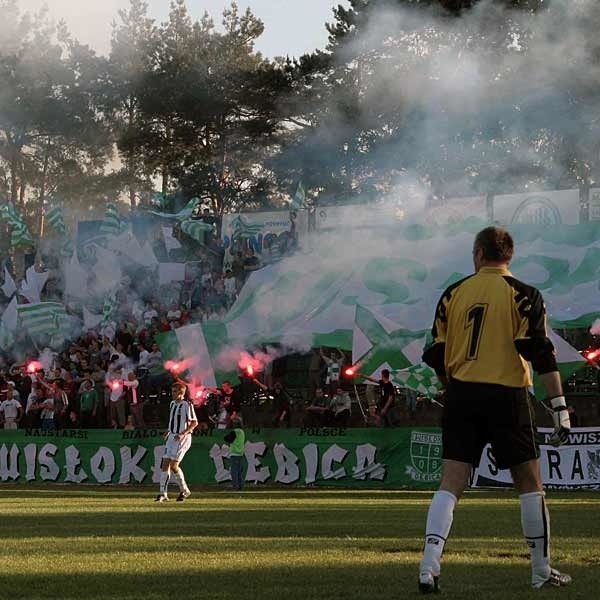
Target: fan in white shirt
{"x":12,"y":411}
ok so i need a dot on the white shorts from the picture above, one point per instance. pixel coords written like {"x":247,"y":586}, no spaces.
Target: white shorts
{"x":176,"y":449}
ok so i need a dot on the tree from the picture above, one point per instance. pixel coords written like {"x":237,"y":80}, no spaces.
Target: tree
{"x":49,"y":128}
{"x":133,"y":42}
{"x":466,"y":101}
{"x":209,"y":110}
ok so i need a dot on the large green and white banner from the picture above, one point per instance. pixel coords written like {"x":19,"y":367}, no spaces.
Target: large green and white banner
{"x":352,"y":458}
{"x":397,"y":278}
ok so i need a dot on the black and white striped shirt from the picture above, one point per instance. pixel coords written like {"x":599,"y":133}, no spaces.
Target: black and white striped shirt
{"x":180,"y":416}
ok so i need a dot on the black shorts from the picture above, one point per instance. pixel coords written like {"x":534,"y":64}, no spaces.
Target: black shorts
{"x":479,"y":413}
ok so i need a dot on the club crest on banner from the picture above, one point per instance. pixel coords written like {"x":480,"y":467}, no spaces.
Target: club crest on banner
{"x":425,"y":456}
{"x":594,"y":464}
{"x":537,"y":210}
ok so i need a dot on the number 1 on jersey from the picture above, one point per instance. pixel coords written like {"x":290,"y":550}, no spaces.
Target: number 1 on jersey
{"x":474,"y":321}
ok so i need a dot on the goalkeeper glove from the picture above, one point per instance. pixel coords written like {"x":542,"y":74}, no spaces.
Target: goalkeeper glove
{"x":562,"y":421}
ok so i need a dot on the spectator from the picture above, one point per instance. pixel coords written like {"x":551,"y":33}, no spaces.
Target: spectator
{"x":237,"y":441}
{"x":230,"y":287}
{"x":114,"y":382}
{"x":237,"y":270}
{"x":251,"y":263}
{"x":46,"y":408}
{"x":386,"y":399}
{"x":231,"y":403}
{"x":334,"y":368}
{"x":143,"y":356}
{"x":314,"y":371}
{"x":149,"y":314}
{"x":174,"y":313}
{"x":281,"y":402}
{"x":155,"y":357}
{"x":88,"y":404}
{"x":133,"y":400}
{"x":32,"y":413}
{"x":318,"y":413}
{"x":11,"y":410}
{"x":340,"y":407}
{"x":411,"y":400}
{"x":12,"y":391}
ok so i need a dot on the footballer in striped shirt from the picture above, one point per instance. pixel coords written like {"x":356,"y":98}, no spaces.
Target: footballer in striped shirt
{"x":182,"y":421}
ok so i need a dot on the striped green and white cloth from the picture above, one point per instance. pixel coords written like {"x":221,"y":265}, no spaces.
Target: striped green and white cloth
{"x":197,"y":230}
{"x":108,"y":309}
{"x":112,"y":224}
{"x":20,"y":235}
{"x":43,"y":318}
{"x":7,"y":339}
{"x":241,"y":229}
{"x":420,"y":378}
{"x":56,"y":220}
{"x":299,"y":200}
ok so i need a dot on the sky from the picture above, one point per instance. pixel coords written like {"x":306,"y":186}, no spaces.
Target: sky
{"x":292,"y":27}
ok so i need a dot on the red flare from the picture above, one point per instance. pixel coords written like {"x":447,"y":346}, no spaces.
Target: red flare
{"x":350,"y":372}
{"x":592,"y":355}
{"x":174,"y":367}
{"x":250,"y":370}
{"x":116,"y":385}
{"x":33,"y":366}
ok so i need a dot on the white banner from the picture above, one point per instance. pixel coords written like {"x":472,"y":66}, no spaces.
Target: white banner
{"x":574,"y":465}
{"x":538,"y":208}
{"x":359,"y":216}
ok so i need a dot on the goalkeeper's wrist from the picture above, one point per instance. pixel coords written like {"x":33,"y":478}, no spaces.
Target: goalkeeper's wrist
{"x":561,"y":412}
{"x":557,"y":403}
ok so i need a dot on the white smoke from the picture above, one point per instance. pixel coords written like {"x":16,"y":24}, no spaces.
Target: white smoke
{"x":595,"y":328}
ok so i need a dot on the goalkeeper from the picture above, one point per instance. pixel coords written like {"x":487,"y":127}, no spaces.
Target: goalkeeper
{"x":487,"y":327}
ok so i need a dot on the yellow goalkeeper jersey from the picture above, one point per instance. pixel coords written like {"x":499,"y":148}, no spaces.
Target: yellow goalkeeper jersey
{"x":487,"y":327}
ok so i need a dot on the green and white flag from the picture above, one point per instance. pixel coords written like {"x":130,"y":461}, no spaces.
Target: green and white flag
{"x":299,"y":200}
{"x":43,"y":318}
{"x":420,"y":378}
{"x":184,"y":213}
{"x":112,"y":224}
{"x":197,"y":230}
{"x":187,"y":346}
{"x":56,"y":220}
{"x":378,"y":290}
{"x":20,"y":235}
{"x":241,"y":229}
{"x":7,"y":339}
{"x":108,"y":309}
{"x":378,"y":343}
{"x":8,"y":325}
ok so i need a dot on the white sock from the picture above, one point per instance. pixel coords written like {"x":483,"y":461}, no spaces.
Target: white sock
{"x":180,"y":479}
{"x":536,"y":529}
{"x":164,"y":482}
{"x":439,"y":522}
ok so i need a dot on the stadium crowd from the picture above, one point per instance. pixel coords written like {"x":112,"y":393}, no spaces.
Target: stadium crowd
{"x":114,"y":376}
{"x":121,"y":382}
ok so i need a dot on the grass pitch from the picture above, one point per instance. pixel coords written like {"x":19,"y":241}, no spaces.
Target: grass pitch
{"x":92,"y":543}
